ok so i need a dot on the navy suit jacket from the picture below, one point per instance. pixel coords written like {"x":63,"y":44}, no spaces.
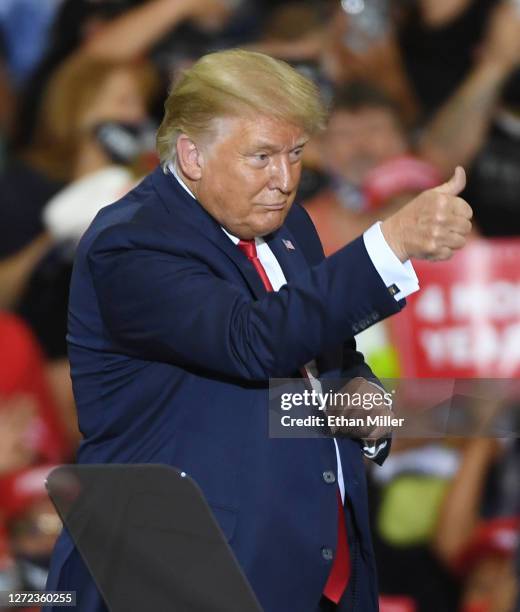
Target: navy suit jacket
{"x":172,"y":339}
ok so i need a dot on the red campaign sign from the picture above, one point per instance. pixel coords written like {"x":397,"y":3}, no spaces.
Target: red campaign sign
{"x":465,"y":319}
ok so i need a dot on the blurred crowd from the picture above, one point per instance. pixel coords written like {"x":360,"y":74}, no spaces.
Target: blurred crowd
{"x":414,"y":87}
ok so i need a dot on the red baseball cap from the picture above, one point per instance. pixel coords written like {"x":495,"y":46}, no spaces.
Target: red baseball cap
{"x":497,"y":537}
{"x":19,"y":490}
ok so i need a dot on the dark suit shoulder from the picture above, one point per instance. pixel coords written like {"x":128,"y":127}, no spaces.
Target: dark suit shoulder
{"x":136,"y":206}
{"x":138,"y":220}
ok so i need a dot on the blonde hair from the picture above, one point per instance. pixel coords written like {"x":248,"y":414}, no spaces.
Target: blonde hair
{"x":237,"y":82}
{"x":68,"y":96}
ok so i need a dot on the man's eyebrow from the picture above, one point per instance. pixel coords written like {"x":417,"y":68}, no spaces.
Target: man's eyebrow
{"x":267,"y":146}
{"x":302,"y":142}
{"x":264,"y":146}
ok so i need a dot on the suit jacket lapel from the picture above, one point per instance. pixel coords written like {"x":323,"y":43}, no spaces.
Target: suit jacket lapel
{"x":291,"y":260}
{"x":178,"y":201}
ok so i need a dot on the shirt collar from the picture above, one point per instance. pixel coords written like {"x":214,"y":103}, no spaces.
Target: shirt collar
{"x":173,"y":169}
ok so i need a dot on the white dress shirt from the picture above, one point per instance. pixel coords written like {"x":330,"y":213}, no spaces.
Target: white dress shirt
{"x":389,"y":268}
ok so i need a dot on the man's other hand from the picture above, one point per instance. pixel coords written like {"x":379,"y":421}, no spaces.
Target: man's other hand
{"x":365,"y":399}
{"x":433,"y":225}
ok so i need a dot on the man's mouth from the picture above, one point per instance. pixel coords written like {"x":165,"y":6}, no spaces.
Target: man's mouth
{"x":275,"y":206}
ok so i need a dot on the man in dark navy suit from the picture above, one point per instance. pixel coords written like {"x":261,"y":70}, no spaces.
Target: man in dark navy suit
{"x":204,"y":282}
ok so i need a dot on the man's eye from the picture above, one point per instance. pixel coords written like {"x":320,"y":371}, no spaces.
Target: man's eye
{"x":297,"y":153}
{"x":261,"y":157}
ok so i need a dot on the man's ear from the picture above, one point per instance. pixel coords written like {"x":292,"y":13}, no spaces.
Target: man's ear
{"x":189,"y":158}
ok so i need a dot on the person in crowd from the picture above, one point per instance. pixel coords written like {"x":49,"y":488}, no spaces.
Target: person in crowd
{"x":340,"y":44}
{"x":419,"y":53}
{"x":110,"y":30}
{"x":439,"y":41}
{"x":33,"y":428}
{"x":407,"y":495}
{"x":33,"y":432}
{"x":92,"y":138}
{"x":363,"y":44}
{"x":32,"y":525}
{"x":477,"y":534}
{"x":366,"y":154}
{"x":81,"y":97}
{"x":486,"y":567}
{"x":479,"y":126}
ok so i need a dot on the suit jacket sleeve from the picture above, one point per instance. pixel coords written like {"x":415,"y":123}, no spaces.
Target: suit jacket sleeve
{"x":160,"y":299}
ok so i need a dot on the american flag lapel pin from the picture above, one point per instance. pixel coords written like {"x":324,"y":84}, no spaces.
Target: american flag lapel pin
{"x":288,"y":245}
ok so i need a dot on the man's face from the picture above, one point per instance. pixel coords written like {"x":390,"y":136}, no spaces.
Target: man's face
{"x":357,"y":142}
{"x":250,"y":173}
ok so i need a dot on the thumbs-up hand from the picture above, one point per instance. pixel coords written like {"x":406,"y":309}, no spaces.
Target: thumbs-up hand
{"x":433,"y":225}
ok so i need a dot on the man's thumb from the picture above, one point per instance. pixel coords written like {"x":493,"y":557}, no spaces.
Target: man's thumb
{"x":456,"y":183}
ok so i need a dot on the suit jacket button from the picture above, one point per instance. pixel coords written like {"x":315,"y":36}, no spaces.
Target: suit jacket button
{"x":329,"y":477}
{"x":326,"y":553}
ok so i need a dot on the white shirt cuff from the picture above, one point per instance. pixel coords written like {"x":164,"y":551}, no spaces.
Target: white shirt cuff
{"x":400,"y":276}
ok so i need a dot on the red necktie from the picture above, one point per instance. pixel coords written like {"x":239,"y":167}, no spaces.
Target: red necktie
{"x":248,"y":247}
{"x":340,"y":572}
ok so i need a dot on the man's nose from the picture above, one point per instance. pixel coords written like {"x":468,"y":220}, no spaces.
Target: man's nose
{"x":282,"y":176}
